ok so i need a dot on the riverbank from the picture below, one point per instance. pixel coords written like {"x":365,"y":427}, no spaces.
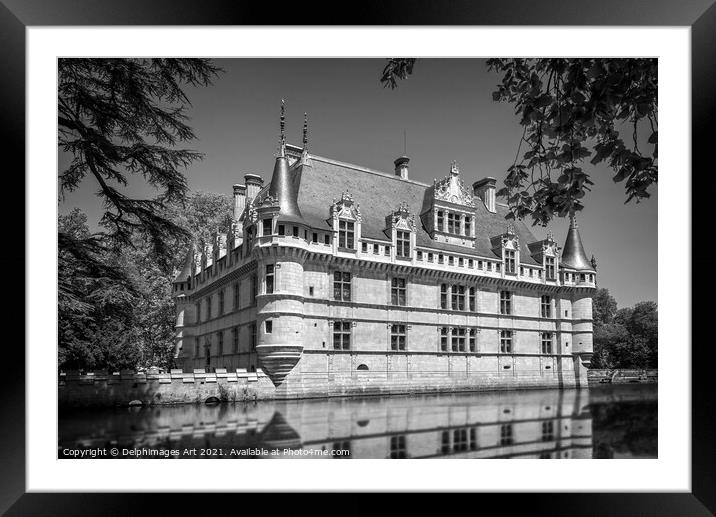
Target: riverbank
{"x":617,"y":376}
{"x":129,"y":388}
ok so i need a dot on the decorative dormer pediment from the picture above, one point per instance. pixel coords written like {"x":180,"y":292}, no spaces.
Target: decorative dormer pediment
{"x":508,"y":240}
{"x":401,"y":219}
{"x":545,"y":248}
{"x":452,"y":189}
{"x":345,"y":208}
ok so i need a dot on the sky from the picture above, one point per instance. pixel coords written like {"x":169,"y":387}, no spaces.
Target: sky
{"x":443,"y":112}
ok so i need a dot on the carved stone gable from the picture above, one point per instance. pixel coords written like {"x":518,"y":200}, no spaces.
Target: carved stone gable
{"x":401,"y":219}
{"x":452,"y":189}
{"x":345,"y":208}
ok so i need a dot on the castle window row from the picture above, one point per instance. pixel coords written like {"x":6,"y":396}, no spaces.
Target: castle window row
{"x":205,"y":342}
{"x":204,"y":308}
{"x":453,"y":223}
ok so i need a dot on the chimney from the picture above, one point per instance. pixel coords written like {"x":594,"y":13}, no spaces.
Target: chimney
{"x":239,"y":200}
{"x":254,"y":183}
{"x":401,"y":167}
{"x":485,"y":190}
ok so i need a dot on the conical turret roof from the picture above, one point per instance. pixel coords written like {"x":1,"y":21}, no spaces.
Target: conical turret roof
{"x":284,"y":189}
{"x":186,"y":269}
{"x":573,"y":255}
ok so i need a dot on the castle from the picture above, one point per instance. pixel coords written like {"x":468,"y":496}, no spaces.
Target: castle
{"x":340,"y":280}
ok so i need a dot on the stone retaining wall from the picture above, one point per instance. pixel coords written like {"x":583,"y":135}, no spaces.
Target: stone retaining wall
{"x":177,"y":387}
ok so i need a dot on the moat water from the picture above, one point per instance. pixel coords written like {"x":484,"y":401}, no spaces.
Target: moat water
{"x":615,"y":421}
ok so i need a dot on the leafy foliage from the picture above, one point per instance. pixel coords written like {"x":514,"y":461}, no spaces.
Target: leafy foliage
{"x":624,"y":338}
{"x":121,"y":117}
{"x":116,"y":308}
{"x":571,"y":110}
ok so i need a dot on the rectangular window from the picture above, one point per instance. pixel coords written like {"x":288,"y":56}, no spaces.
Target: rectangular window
{"x":548,"y":431}
{"x":253,"y":336}
{"x":420,"y":255}
{"x":235,"y":338}
{"x":470,"y":263}
{"x":510,"y":261}
{"x":458,"y":297}
{"x":441,"y":259}
{"x":236,"y":296}
{"x":342,"y":335}
{"x":479,"y":264}
{"x":506,"y":434}
{"x":460,"y":262}
{"x":268,"y":324}
{"x":549,"y":268}
{"x":295,"y":231}
{"x":546,"y":306}
{"x":397,"y":447}
{"x":472,"y":342}
{"x":376,"y":250}
{"x":451,"y":261}
{"x":221,"y":302}
{"x":546,"y":342}
{"x":326,"y":239}
{"x":208,"y":307}
{"x":430,"y":257}
{"x":220,"y":341}
{"x":397,"y":337}
{"x":364,"y":247}
{"x":443,"y":296}
{"x":497,"y":266}
{"x":453,"y":223}
{"x":314,"y":238}
{"x":468,"y":226}
{"x":387,"y":250}
{"x":267,"y":227}
{"x":505,"y":302}
{"x":506,"y":341}
{"x":443,"y":339}
{"x":269,"y":278}
{"x":473,"y":304}
{"x":440,"y":221}
{"x":398,"y":291}
{"x":198,"y":312}
{"x":342,"y":286}
{"x":346,"y":234}
{"x":402,"y":242}
{"x":458,"y":339}
{"x":281,"y":229}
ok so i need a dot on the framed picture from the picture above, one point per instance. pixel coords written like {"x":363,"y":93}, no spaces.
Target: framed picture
{"x":359,"y":239}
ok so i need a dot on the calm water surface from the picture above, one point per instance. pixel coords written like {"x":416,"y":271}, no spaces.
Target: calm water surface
{"x":618,"y":421}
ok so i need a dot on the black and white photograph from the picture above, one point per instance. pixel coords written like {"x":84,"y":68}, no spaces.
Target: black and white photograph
{"x":357,"y":258}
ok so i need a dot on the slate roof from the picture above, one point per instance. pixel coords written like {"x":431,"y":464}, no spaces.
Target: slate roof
{"x":379,"y":194}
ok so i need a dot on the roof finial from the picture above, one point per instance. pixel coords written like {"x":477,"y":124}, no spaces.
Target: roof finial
{"x":305,"y":132}
{"x":282,"y":138}
{"x":572,"y":220}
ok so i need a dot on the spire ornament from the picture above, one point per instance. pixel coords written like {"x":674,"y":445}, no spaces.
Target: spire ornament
{"x":282,"y":138}
{"x":305,"y":132}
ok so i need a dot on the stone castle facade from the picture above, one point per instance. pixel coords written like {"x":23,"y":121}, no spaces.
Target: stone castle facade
{"x":341,"y":280}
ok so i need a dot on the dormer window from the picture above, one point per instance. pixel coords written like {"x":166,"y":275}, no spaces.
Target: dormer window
{"x":441,"y":220}
{"x":453,"y":223}
{"x":468,"y":225}
{"x":549,"y":268}
{"x":346,"y":220}
{"x":267,"y":226}
{"x":510,"y":263}
{"x":346,"y":234}
{"x":402,"y":240}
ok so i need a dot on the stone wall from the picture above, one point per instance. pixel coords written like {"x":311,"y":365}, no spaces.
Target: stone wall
{"x":129,"y":388}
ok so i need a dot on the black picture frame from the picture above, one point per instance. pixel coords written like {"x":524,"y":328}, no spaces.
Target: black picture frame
{"x":700,"y":15}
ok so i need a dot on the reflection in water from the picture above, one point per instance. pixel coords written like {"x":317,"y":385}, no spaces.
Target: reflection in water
{"x":609,"y":422}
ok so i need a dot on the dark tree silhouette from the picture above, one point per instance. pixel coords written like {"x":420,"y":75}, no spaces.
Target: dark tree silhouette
{"x":121,"y":117}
